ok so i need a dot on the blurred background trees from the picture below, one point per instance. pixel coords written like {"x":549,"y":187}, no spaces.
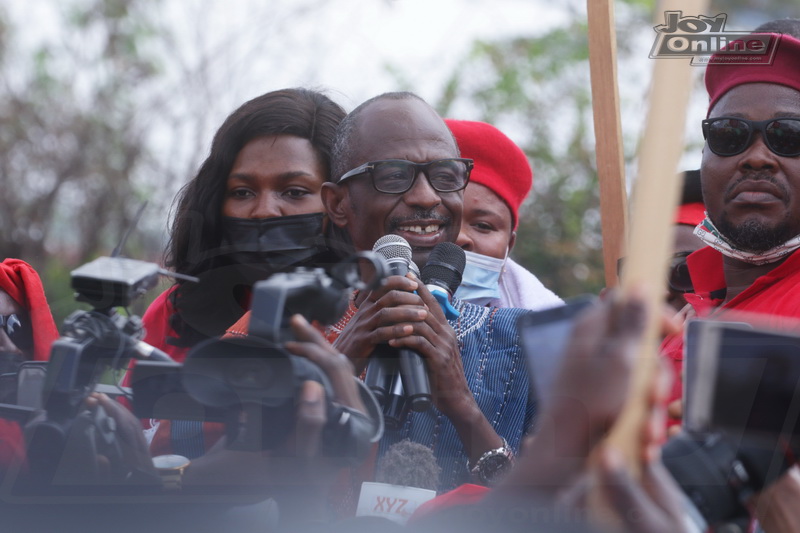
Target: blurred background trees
{"x":108,"y":109}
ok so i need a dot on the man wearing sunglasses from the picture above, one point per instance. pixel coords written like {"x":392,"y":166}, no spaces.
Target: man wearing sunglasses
{"x":396,"y":169}
{"x":750,"y":176}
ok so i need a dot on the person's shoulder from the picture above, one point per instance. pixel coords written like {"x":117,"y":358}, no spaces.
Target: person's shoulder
{"x":159,"y":311}
{"x":476,"y":318}
{"x":474,"y":309}
{"x":519,"y":287}
{"x":162,"y":301}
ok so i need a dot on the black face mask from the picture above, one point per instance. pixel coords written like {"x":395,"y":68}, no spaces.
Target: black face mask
{"x":252,"y":250}
{"x":272,"y":244}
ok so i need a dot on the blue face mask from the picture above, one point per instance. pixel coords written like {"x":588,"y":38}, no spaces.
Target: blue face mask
{"x":480,"y":281}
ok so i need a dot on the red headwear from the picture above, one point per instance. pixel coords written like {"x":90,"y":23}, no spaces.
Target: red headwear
{"x":721,"y":77}
{"x":22,"y":283}
{"x":500,"y":164}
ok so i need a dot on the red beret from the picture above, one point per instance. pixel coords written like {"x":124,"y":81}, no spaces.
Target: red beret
{"x":22,"y":283}
{"x":500,"y":164}
{"x":721,"y":77}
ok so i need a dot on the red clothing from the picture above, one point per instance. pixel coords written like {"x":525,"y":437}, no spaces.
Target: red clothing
{"x":466,"y":494}
{"x":775,"y":295}
{"x":156,"y":321}
{"x":158,"y":329}
{"x":22,"y":283}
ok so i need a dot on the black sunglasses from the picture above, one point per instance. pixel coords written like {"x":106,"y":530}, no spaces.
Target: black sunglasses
{"x":727,"y":136}
{"x":678,"y":277}
{"x":396,"y":176}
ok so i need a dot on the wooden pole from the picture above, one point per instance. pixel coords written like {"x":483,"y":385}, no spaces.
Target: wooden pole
{"x":608,"y":133}
{"x":654,"y":202}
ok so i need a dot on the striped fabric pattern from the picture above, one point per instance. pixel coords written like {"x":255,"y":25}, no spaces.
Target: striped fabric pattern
{"x":497,"y":375}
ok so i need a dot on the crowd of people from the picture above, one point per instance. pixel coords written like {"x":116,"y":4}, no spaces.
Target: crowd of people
{"x":292,"y":180}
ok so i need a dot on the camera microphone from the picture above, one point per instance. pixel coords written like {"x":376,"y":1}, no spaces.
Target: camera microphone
{"x":397,"y":253}
{"x":146,"y":352}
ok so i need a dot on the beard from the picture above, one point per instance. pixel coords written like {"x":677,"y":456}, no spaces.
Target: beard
{"x":754,"y":235}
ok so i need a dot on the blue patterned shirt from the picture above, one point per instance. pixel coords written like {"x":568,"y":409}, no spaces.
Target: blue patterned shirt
{"x":497,"y":375}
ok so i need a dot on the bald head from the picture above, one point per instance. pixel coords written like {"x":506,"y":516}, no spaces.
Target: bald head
{"x":350,"y":134}
{"x":393,"y":126}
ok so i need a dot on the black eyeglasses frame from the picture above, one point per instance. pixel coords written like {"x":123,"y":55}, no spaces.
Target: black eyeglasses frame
{"x":370,"y":166}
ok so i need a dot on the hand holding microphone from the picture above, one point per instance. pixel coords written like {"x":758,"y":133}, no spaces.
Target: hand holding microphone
{"x":397,"y":253}
{"x":441,"y":275}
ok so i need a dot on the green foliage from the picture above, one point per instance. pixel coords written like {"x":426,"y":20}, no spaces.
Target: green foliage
{"x":71,"y":132}
{"x":537,"y":90}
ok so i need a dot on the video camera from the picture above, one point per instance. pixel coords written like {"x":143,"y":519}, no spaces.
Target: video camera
{"x":741,"y":416}
{"x":65,"y":438}
{"x":251,"y":383}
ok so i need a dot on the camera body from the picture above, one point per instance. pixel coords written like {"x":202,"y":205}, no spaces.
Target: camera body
{"x":252,"y":383}
{"x":741,"y":414}
{"x":64,"y":439}
{"x":306,"y":291}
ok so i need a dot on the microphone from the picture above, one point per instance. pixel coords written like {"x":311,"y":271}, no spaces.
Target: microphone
{"x":416,"y":384}
{"x":146,"y":352}
{"x":396,"y":408}
{"x":442,"y":274}
{"x":397,"y":253}
{"x":407,"y":476}
{"x":409,"y":464}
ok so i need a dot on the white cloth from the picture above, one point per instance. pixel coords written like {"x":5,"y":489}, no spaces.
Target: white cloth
{"x":709,"y":234}
{"x":520,"y":288}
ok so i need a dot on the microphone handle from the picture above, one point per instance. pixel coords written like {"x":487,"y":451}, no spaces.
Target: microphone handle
{"x":380,"y":369}
{"x":395,"y":409}
{"x":416,"y":383}
{"x":147,"y":352}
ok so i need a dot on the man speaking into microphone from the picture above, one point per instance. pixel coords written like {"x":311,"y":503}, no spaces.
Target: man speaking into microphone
{"x":396,"y":170}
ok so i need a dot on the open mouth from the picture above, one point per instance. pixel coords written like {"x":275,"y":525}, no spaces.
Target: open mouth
{"x":420,"y":230}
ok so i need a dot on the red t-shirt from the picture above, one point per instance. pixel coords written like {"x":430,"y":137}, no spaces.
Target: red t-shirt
{"x":775,"y":295}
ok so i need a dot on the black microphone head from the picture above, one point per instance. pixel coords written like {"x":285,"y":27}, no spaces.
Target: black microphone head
{"x":394,"y":248}
{"x":445,"y":266}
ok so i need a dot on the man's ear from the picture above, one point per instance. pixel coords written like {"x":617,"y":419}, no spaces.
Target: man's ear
{"x":511,"y":241}
{"x":336,"y":200}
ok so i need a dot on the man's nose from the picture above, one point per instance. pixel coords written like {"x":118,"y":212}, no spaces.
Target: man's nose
{"x":422,"y":194}
{"x":758,"y":156}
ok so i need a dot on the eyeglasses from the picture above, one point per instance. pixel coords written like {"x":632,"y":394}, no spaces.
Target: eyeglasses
{"x":678,"y":277}
{"x":728,"y":136}
{"x":396,"y":176}
{"x":15,"y":329}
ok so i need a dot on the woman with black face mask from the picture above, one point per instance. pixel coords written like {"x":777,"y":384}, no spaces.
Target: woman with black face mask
{"x":253,"y":209}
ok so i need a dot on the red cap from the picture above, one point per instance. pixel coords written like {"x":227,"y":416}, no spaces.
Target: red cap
{"x":690,"y":214}
{"x":721,"y":77}
{"x":22,"y":283}
{"x":500,"y":164}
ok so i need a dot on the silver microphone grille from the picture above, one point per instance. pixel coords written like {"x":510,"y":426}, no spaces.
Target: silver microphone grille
{"x":393,"y":247}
